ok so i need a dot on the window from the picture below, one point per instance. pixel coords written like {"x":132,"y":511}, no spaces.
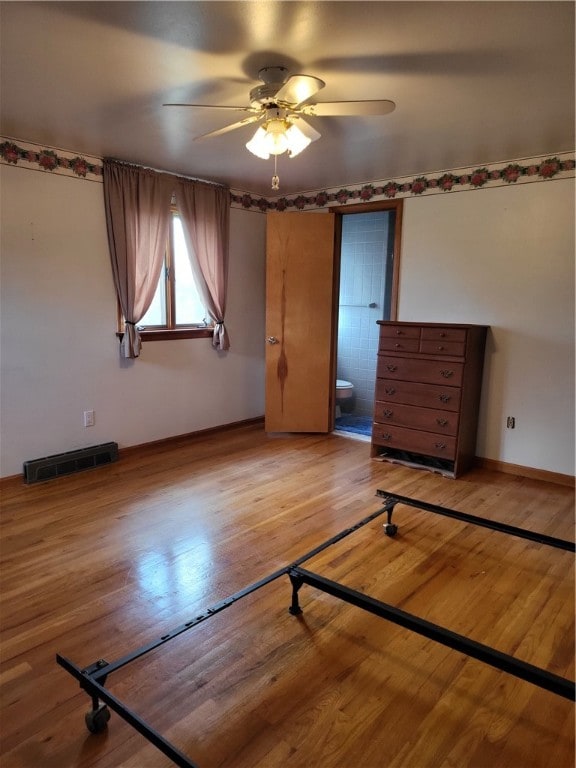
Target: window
{"x":177,"y":309}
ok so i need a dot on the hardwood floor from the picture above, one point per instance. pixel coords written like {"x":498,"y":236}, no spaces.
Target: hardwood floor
{"x":99,"y":563}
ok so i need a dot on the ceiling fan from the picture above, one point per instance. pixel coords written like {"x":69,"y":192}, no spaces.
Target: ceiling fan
{"x":280,"y":104}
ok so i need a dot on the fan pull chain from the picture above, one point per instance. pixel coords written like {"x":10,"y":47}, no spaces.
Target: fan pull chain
{"x":275,"y":178}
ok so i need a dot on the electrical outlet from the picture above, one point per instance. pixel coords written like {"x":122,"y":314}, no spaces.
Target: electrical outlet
{"x":510,"y":422}
{"x":88,"y":418}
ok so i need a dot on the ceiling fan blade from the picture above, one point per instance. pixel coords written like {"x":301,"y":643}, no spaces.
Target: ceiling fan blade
{"x":299,"y":88}
{"x":208,"y":106}
{"x":308,"y":131}
{"x":349,"y":108}
{"x":231,"y":127}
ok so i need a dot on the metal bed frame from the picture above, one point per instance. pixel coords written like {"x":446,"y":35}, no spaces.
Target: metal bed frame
{"x":93,"y":678}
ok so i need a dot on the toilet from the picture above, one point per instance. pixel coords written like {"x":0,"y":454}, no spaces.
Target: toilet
{"x":345,"y":397}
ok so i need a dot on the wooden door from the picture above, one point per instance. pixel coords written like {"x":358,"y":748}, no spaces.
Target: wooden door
{"x":300,"y":324}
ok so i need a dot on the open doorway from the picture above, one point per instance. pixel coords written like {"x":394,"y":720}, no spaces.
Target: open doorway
{"x":369,"y":259}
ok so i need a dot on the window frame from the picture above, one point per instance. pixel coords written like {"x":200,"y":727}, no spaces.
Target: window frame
{"x":170,"y":330}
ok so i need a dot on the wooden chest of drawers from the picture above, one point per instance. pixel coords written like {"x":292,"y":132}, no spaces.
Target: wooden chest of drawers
{"x":428,"y":383}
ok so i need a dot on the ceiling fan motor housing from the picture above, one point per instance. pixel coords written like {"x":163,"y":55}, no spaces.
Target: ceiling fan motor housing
{"x":273,"y":79}
{"x":264,"y":94}
{"x":274,"y":75}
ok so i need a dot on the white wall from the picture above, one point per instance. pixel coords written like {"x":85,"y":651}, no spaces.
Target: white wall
{"x":58,"y":348}
{"x":501,"y":256}
{"x":504,"y":257}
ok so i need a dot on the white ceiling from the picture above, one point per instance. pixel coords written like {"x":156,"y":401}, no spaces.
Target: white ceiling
{"x":474,"y":83}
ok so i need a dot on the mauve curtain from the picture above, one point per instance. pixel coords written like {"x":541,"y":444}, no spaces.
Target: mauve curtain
{"x":205,"y":213}
{"x":137,"y":203}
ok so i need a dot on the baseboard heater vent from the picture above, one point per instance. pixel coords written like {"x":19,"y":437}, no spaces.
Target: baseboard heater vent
{"x":70,"y":462}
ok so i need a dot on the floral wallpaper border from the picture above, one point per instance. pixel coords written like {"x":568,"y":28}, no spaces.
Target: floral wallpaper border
{"x":533,"y":169}
{"x":537,"y":169}
{"x":51,"y":160}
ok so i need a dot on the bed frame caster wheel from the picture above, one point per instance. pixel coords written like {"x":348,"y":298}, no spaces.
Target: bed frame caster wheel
{"x":97,"y":719}
{"x":390,"y":529}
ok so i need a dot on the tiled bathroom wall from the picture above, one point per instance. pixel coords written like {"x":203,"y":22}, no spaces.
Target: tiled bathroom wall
{"x":362,"y":276}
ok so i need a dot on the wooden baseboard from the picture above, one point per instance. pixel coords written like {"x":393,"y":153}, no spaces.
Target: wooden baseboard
{"x":167,"y":441}
{"x":530,"y":472}
{"x":491,"y":464}
{"x":10,"y":480}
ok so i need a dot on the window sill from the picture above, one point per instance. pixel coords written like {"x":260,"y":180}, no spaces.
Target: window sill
{"x":164,"y":334}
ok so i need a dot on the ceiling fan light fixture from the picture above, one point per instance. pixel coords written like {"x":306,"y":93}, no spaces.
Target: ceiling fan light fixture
{"x":279,"y":135}
{"x":276,"y":139}
{"x":297,"y":141}
{"x":257,"y":144}
{"x":270,"y":139}
{"x":301,"y":134}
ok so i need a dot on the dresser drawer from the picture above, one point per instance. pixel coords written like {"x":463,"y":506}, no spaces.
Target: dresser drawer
{"x":441,"y":347}
{"x":412,"y":393}
{"x":400,"y":331}
{"x":428,"y":419}
{"x":427,"y":443}
{"x":443,"y":333}
{"x":426,"y":371}
{"x":395,"y":344}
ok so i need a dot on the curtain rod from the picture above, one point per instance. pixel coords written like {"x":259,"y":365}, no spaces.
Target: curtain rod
{"x":167,"y":173}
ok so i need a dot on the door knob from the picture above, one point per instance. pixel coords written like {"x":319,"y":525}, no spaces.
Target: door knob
{"x":271,"y":340}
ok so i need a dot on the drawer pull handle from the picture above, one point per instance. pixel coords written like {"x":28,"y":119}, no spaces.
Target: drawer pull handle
{"x":442,"y":422}
{"x":386,"y":436}
{"x":440,"y":347}
{"x":389,"y":390}
{"x":398,"y":332}
{"x":388,"y":413}
{"x":391,"y":368}
{"x":442,"y":334}
{"x":446,"y":373}
{"x":440,"y":446}
{"x":397,"y":346}
{"x":445,"y":398}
